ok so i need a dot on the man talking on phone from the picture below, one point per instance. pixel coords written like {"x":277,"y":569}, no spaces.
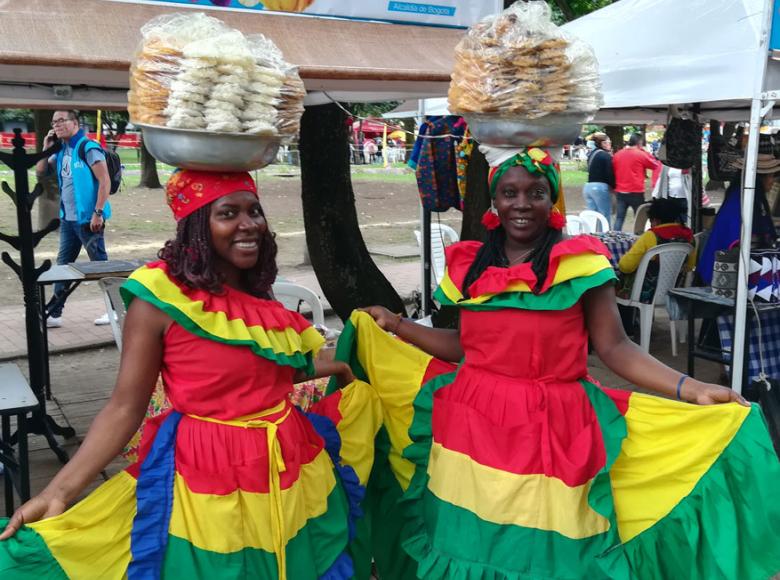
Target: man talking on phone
{"x":84,"y":183}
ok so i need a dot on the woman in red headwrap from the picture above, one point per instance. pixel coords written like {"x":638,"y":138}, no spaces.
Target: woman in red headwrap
{"x":232,"y":481}
{"x":518,"y":464}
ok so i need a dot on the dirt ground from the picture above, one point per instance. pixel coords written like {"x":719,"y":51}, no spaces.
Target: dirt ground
{"x":387,"y":206}
{"x":386,"y":201}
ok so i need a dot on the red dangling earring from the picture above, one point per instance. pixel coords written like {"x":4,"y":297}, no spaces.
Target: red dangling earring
{"x":490,"y":219}
{"x":556,"y":220}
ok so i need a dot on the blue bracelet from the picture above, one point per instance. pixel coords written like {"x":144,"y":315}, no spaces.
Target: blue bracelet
{"x":679,"y":386}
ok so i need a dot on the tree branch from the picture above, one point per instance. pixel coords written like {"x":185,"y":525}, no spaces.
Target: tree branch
{"x":563,"y":6}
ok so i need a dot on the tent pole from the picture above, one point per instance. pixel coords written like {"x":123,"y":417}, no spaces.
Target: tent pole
{"x":748,"y":195}
{"x":426,"y":261}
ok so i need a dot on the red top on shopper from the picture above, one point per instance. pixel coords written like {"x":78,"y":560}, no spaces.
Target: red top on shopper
{"x":630,"y":165}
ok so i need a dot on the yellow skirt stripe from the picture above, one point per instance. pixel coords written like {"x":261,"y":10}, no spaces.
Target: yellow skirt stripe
{"x":532,"y":501}
{"x":669,"y":447}
{"x":394,"y":368}
{"x":238,"y":520}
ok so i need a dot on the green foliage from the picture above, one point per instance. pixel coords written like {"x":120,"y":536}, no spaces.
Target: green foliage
{"x":22,"y":115}
{"x":113,"y":121}
{"x":371,"y":109}
{"x":583,"y":7}
{"x":565,"y":10}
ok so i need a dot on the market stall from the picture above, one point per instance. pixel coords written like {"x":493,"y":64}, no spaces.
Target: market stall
{"x":707,"y":55}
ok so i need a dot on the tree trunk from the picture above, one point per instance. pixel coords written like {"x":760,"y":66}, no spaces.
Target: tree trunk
{"x":477,"y":199}
{"x":149,"y":177}
{"x":563,"y":6}
{"x":49,"y":201}
{"x":615,"y":134}
{"x":347,"y":275}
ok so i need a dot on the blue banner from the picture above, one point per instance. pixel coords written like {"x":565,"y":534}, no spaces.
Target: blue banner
{"x":774,"y":39}
{"x":454,"y":13}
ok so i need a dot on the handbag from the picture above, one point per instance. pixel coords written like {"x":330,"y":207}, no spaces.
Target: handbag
{"x":681,"y":144}
{"x":724,"y":272}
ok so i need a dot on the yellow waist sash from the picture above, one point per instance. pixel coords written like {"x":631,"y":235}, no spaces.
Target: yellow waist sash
{"x":275,"y":467}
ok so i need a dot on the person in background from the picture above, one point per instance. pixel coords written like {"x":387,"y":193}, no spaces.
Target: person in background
{"x":84,"y":189}
{"x":726,"y":229}
{"x":665,"y":227}
{"x":676,"y":185}
{"x":630,"y":165}
{"x":601,"y":178}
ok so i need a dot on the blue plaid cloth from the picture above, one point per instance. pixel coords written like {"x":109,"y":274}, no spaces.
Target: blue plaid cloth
{"x":618,"y":244}
{"x":770,"y":342}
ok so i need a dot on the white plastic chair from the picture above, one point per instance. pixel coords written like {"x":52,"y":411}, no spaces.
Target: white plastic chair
{"x":291,"y":295}
{"x":641,"y":221}
{"x":671,"y":258}
{"x":576,"y":225}
{"x":115,"y":306}
{"x":597,"y":223}
{"x":441,"y":237}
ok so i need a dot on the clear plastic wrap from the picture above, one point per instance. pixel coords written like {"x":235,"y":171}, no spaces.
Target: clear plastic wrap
{"x":519,"y":65}
{"x":191,"y":71}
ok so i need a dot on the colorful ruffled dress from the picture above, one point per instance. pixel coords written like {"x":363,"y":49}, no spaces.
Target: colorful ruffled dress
{"x":232,"y":481}
{"x":518,"y":464}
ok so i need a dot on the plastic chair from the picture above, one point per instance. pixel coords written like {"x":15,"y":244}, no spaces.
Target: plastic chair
{"x":115,"y":306}
{"x":641,"y":221}
{"x":671,"y":258}
{"x":441,"y":236}
{"x":597,"y":223}
{"x":576,"y":225}
{"x":291,"y":295}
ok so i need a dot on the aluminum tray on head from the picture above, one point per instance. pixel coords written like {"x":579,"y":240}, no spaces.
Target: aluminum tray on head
{"x":209,"y":151}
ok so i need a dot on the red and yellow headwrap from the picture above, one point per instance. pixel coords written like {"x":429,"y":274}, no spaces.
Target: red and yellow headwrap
{"x":189,"y":190}
{"x":536,"y":161}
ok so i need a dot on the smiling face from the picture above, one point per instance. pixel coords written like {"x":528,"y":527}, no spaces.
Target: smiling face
{"x":237,"y":226}
{"x":523,"y":202}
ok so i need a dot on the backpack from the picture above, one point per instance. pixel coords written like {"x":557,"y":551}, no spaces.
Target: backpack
{"x":113,"y":163}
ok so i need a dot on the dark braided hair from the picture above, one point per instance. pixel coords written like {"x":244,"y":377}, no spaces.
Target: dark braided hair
{"x":190,"y":257}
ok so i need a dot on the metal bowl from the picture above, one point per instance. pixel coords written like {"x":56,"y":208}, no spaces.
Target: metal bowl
{"x":549,"y":131}
{"x":205,"y":151}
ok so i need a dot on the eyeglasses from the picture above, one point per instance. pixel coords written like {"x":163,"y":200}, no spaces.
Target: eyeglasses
{"x":58,"y":122}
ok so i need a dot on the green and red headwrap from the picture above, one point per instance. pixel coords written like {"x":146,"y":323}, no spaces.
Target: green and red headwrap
{"x":537,"y":161}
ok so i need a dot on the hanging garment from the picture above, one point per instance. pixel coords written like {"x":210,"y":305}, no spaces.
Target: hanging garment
{"x":435,"y":162}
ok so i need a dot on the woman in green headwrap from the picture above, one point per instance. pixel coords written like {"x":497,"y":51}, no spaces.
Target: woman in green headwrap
{"x":517,"y":463}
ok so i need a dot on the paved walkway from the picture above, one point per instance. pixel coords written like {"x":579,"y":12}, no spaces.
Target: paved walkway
{"x":79,"y":331}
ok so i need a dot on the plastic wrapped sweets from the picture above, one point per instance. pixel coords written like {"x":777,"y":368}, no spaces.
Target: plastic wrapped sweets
{"x":192,"y":71}
{"x":519,"y":64}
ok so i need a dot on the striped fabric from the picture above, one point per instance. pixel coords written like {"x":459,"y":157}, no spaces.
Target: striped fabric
{"x":545,"y":474}
{"x":244,"y":487}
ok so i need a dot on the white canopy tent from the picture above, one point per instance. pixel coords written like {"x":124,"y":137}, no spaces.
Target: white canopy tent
{"x":713,"y":54}
{"x":695,"y":51}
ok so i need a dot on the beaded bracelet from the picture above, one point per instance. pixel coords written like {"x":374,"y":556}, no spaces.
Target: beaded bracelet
{"x":679,"y":386}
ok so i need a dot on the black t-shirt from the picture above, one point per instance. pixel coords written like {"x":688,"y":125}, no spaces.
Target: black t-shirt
{"x":600,"y":168}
